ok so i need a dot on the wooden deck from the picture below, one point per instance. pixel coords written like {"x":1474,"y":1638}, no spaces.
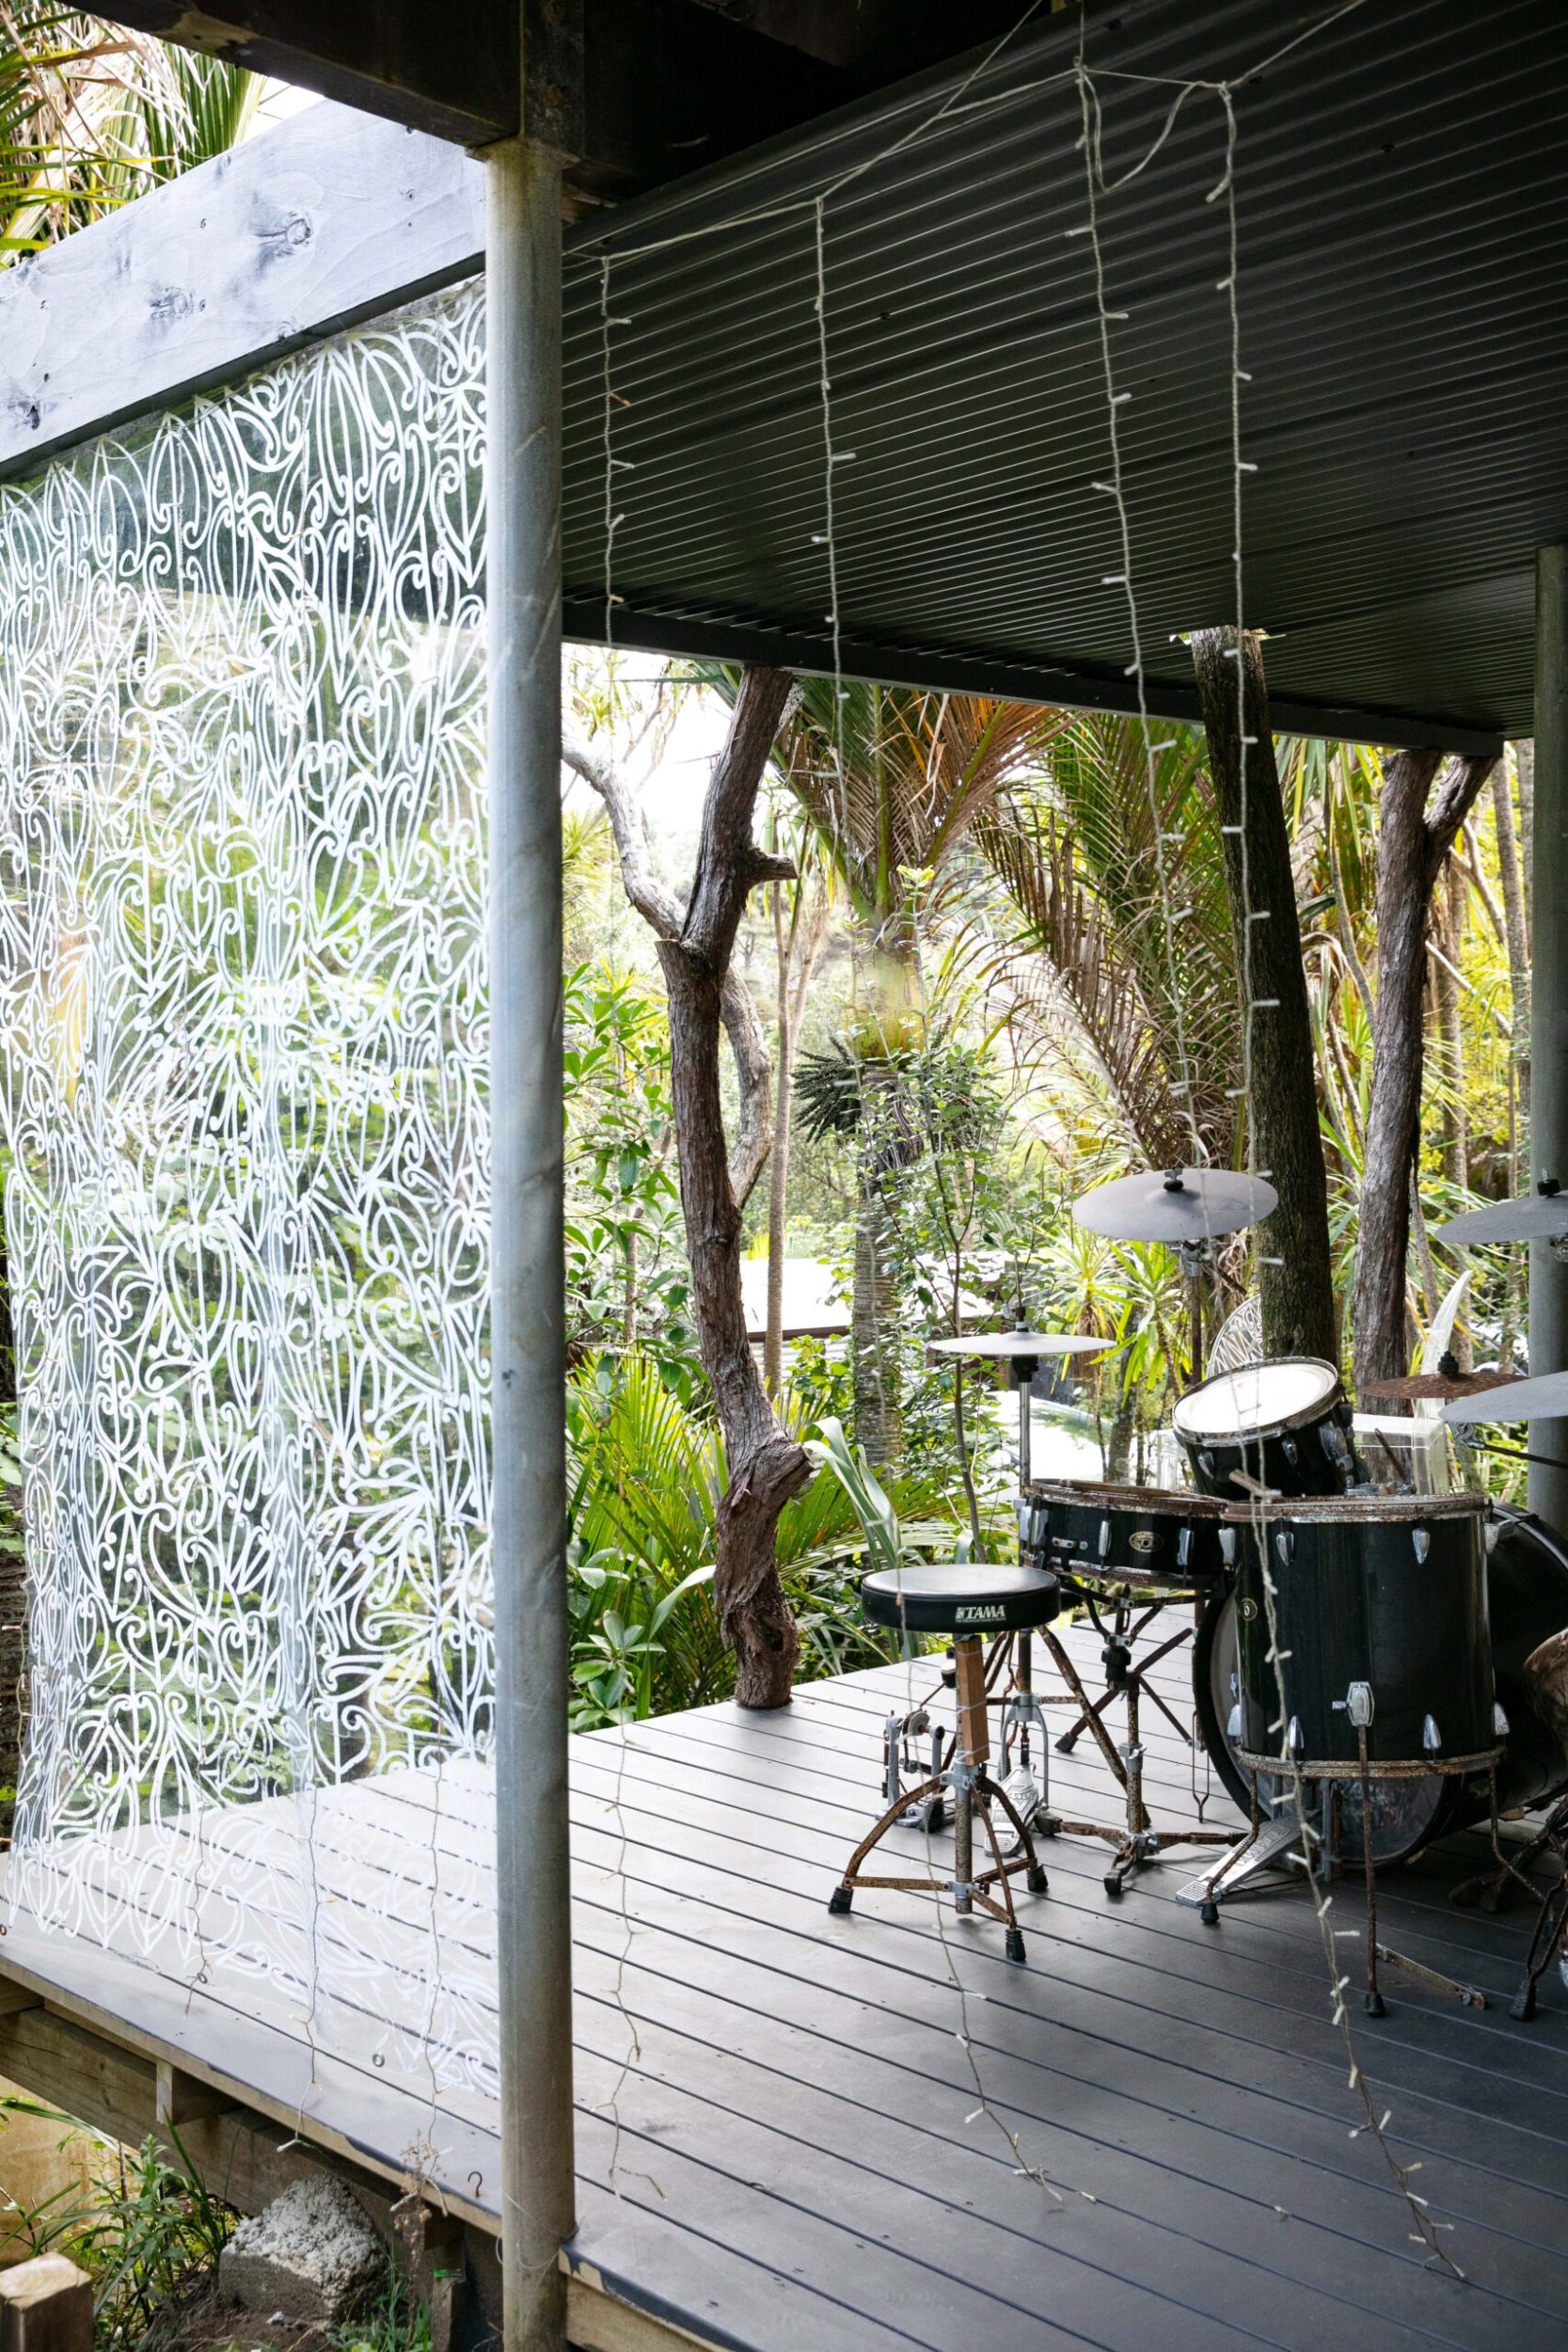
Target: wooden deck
{"x":781,"y":2144}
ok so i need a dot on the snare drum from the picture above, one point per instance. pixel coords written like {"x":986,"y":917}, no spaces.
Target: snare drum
{"x":1284,"y":1424}
{"x":1133,"y":1535}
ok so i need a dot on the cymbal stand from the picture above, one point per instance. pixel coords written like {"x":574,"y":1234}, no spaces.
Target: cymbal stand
{"x":1120,"y":1670}
{"x":1139,"y":1842}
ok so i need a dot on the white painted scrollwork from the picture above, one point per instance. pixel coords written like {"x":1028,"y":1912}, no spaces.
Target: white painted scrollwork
{"x":242,"y":1032}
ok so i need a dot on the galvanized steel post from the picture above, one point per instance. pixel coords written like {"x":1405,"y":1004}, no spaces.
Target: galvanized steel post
{"x":1548,"y":1104}
{"x":526,"y":1340}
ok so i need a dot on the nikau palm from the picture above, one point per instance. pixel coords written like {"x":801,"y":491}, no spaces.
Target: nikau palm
{"x":894,"y":782}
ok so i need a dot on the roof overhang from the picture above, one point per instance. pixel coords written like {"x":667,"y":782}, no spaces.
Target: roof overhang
{"x":1402,"y":204}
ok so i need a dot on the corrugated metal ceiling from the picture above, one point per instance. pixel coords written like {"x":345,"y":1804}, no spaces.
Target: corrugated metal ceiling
{"x":1403,"y":198}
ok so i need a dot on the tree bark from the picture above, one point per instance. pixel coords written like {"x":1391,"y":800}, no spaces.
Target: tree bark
{"x":1295,"y":1280}
{"x":1449,"y":926}
{"x":1411,"y":849}
{"x":764,"y":1466}
{"x":663,"y":913}
{"x":1517,"y":933}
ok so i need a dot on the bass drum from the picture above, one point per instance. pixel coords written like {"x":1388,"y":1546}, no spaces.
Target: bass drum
{"x":1406,"y":1814}
{"x":1526,"y":1582}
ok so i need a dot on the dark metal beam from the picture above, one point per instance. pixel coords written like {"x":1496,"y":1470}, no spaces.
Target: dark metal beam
{"x":944,"y":670}
{"x":453,"y":73}
{"x":633,"y":92}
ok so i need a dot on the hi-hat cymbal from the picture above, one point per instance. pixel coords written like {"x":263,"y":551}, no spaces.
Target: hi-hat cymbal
{"x":1440,"y":1384}
{"x":1545,"y":1398}
{"x":1020,"y":1343}
{"x":1534,"y":1217}
{"x":1176,"y":1204}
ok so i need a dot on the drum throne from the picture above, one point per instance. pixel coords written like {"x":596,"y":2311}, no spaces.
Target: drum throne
{"x":969,"y":1603}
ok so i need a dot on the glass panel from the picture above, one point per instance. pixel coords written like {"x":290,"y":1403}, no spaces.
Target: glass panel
{"x":242,"y":1029}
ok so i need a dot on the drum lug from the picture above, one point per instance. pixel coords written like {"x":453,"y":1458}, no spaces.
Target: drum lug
{"x":1421,"y":1542}
{"x":1183,"y":1547}
{"x":1105,"y":1537}
{"x":1228,"y":1546}
{"x":1293,"y":1452}
{"x":1233,"y":1722}
{"x":1285,"y":1545}
{"x":1499,"y":1721}
{"x":1432,"y":1738}
{"x":1358,"y":1705}
{"x":1296,"y":1738}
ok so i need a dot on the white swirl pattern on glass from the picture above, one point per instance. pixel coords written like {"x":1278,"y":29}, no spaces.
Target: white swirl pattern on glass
{"x":242,"y":1031}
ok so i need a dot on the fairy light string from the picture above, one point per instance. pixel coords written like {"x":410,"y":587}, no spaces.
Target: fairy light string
{"x":961,"y":102}
{"x":1225,"y":191}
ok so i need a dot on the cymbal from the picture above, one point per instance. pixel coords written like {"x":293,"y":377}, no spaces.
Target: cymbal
{"x":1434,"y":1384}
{"x":1545,"y":1398}
{"x":1176,"y":1204}
{"x":1003,"y":1343}
{"x":1534,"y":1217}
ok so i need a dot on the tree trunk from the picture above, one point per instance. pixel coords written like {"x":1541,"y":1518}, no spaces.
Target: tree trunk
{"x":764,"y":1466}
{"x":1410,"y":852}
{"x":1450,"y":929}
{"x":1517,"y":933}
{"x":1295,"y":1280}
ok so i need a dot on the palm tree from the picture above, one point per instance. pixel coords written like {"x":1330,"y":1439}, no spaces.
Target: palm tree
{"x":894,"y":782}
{"x":93,"y":114}
{"x":1121,"y":892}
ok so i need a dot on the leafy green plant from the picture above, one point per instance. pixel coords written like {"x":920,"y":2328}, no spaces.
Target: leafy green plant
{"x":156,"y":2229}
{"x":615,"y":1656}
{"x":394,"y":2321}
{"x":627,"y":1280}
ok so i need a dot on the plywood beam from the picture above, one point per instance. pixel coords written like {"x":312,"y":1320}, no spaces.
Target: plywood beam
{"x":329,"y":218}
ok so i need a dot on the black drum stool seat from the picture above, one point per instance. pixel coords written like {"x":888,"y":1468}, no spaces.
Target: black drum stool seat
{"x":960,"y":1599}
{"x":970,"y":1602}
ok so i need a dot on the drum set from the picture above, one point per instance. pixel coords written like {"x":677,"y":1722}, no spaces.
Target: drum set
{"x":1364,"y":1660}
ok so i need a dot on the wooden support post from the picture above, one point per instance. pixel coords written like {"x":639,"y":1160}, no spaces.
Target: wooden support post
{"x":179,"y":2098}
{"x":1548,"y":1104}
{"x":528,"y":1248}
{"x":45,"y":2306}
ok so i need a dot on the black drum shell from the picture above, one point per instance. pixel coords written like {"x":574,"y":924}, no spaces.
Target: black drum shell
{"x":1527,"y":1583}
{"x":1291,"y":1461}
{"x":1309,"y":1455}
{"x":1125,"y":1534}
{"x":1356,"y":1602}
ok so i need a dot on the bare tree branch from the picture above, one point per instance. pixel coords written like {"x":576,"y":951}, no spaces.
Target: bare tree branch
{"x":667,"y":918}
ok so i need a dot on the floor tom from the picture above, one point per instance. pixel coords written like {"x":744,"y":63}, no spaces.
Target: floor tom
{"x":1389,"y":1592}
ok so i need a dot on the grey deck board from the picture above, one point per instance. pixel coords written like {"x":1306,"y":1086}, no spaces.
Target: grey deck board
{"x":780,"y":2139}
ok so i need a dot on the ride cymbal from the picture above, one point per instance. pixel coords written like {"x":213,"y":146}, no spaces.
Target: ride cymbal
{"x":1176,"y":1204}
{"x":1534,"y":1217}
{"x":1545,"y":1398}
